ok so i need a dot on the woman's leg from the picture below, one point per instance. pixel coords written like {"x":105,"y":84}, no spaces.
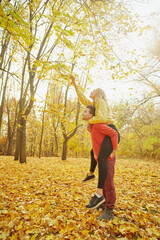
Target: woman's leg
{"x":91,"y":175}
{"x":93,"y":162}
{"x":104,"y":153}
{"x":114,"y":127}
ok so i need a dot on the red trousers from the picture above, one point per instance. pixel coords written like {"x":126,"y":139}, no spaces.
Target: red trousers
{"x":109,"y":188}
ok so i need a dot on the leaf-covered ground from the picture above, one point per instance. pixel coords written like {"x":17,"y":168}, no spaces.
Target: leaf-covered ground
{"x":45,"y":199}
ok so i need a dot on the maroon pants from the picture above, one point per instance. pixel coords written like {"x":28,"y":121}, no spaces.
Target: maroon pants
{"x":109,"y":189}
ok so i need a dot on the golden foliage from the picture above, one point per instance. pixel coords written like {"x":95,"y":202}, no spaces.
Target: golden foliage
{"x":45,"y":199}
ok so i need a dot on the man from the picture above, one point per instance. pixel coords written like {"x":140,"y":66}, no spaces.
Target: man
{"x":107,"y":194}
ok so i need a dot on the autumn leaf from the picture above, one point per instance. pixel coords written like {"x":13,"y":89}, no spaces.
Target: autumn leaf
{"x":45,"y":199}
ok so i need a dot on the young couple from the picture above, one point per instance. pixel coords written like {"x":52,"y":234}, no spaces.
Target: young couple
{"x":105,"y":138}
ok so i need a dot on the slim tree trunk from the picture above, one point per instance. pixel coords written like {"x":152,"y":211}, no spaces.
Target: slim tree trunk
{"x":9,"y":150}
{"x":10,"y":136}
{"x":56,"y":144}
{"x":2,"y":102}
{"x":5,"y":85}
{"x":64,"y":151}
{"x":17,"y":151}
{"x":23,"y":141}
{"x":40,"y":144}
{"x":11,"y":129}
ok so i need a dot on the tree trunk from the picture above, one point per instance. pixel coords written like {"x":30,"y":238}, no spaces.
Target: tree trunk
{"x":56,"y":144}
{"x":2,"y":103}
{"x":40,"y":144}
{"x":10,"y":138}
{"x":4,"y":93}
{"x":9,"y":150}
{"x":64,"y":151}
{"x":11,"y":130}
{"x":17,"y":151}
{"x":16,"y":155}
{"x":23,"y":141}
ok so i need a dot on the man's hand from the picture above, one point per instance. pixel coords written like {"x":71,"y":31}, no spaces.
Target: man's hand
{"x":113,"y":153}
{"x":88,"y":127}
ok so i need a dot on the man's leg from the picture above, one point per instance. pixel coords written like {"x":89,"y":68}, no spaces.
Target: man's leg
{"x":109,"y":191}
{"x":109,"y":188}
{"x":104,"y":153}
{"x":91,"y":175}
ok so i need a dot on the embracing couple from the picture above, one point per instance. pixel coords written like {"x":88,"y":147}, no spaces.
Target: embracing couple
{"x":105,"y":138}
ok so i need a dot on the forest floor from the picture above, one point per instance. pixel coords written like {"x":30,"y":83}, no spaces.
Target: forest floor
{"x":45,"y":199}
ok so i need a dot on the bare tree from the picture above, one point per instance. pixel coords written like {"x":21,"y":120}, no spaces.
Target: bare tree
{"x":12,"y":120}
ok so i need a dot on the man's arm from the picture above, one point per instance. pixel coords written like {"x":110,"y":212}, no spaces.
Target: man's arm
{"x":106,"y":130}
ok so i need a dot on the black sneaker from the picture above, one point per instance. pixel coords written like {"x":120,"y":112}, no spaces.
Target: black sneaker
{"x":88,"y":177}
{"x":102,"y":206}
{"x":95,"y":202}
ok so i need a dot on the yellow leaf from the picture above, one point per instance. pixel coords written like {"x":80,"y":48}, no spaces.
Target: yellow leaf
{"x":50,"y":237}
{"x":14,"y":191}
{"x":4,"y":211}
{"x":156,"y":219}
{"x":4,"y":235}
{"x":102,"y":224}
{"x":20,"y":226}
{"x":14,"y":237}
{"x":85,"y":232}
{"x":34,"y":237}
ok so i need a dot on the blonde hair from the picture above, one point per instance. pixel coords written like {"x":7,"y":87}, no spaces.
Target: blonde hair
{"x":99,"y":93}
